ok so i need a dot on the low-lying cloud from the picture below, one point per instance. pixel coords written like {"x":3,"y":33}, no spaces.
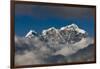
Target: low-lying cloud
{"x":34,"y":51}
{"x":73,"y":48}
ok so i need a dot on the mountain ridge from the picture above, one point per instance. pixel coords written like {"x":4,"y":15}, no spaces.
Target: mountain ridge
{"x":70,"y":34}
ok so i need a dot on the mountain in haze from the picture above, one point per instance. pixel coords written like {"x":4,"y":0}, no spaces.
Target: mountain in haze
{"x":54,"y":45}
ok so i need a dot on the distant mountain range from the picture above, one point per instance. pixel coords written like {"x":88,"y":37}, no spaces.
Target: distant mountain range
{"x":68,"y":34}
{"x":53,"y":45}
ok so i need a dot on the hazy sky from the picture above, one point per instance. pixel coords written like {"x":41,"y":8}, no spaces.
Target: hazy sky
{"x":36,"y":17}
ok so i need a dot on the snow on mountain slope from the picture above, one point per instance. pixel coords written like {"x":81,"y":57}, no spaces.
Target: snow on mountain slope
{"x":70,"y":34}
{"x":57,"y":38}
{"x":73,"y":27}
{"x":51,"y":42}
{"x":52,"y":35}
{"x":31,"y":34}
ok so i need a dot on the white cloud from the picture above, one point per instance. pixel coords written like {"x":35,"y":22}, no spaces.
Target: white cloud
{"x":73,"y":48}
{"x":42,"y":51}
{"x":28,"y":58}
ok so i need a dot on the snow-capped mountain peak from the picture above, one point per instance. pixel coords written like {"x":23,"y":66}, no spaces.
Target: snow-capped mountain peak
{"x":70,"y":27}
{"x":67,"y":34}
{"x":77,"y":28}
{"x":48,"y":30}
{"x":81,"y":31}
{"x":31,"y":34}
{"x":52,"y":28}
{"x":73,"y":27}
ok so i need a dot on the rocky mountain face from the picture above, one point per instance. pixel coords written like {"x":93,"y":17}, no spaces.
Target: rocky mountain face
{"x":68,"y":34}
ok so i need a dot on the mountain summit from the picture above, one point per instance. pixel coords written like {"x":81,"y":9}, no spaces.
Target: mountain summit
{"x":73,"y":27}
{"x":31,"y":34}
{"x":67,"y":34}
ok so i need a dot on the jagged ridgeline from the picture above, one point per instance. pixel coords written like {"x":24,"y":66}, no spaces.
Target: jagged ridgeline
{"x":68,"y":34}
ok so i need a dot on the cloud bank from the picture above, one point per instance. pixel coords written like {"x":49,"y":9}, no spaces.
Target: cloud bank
{"x":34,"y":51}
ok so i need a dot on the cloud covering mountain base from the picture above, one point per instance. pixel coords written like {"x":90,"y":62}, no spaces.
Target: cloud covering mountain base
{"x":31,"y":52}
{"x":68,"y":44}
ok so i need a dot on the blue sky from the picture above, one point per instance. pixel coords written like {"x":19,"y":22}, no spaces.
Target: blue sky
{"x":36,"y":17}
